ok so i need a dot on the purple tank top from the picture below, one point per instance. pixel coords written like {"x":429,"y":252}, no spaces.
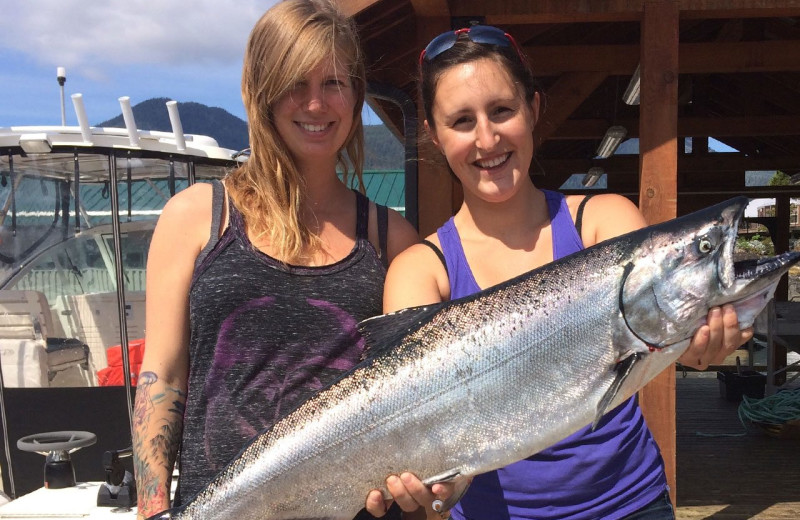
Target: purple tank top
{"x":606,"y":473}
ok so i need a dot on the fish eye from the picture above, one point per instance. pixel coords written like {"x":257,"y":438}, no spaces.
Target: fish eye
{"x":704,"y":245}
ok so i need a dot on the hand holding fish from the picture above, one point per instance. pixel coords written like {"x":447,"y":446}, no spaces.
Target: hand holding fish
{"x":716,"y":340}
{"x":413,"y":497}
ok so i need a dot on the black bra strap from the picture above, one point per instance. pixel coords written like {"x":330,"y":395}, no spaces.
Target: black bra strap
{"x":383,"y":231}
{"x":362,"y":215}
{"x":579,"y":216}
{"x":438,"y":253}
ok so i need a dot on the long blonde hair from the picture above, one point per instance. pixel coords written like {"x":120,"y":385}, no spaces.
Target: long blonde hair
{"x":290,"y":40}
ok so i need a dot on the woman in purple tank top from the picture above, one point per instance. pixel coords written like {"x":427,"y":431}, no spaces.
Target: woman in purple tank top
{"x":481,"y":108}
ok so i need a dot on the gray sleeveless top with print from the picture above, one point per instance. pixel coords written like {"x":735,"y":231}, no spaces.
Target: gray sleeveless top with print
{"x":264,"y":337}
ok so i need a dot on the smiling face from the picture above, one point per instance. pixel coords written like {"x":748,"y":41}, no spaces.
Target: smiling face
{"x":314,"y":118}
{"x":484,"y":127}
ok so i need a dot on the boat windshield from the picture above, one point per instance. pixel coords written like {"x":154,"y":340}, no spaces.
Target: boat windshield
{"x":61,"y":316}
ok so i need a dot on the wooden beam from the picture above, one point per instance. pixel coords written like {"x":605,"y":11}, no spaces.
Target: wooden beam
{"x":738,"y":8}
{"x":578,"y":11}
{"x":353,"y":7}
{"x":688,"y":127}
{"x":431,"y":8}
{"x":621,"y":165}
{"x":563,"y":98}
{"x":712,"y":57}
{"x":438,"y":195}
{"x":781,"y":242}
{"x":723,"y":185}
{"x":728,"y":57}
{"x":738,"y":126}
{"x":658,"y":187}
{"x":550,"y":11}
{"x":616,"y":60}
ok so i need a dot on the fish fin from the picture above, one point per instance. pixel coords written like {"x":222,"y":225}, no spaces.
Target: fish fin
{"x":385,"y":332}
{"x":460,"y":481}
{"x":445,"y":476}
{"x":623,"y":369}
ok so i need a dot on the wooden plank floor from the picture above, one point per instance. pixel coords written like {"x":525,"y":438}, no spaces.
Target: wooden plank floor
{"x":727,"y":472}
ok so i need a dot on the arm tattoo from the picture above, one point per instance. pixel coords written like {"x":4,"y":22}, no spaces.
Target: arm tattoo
{"x":162,"y":448}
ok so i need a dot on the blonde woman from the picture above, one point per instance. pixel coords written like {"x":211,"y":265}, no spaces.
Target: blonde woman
{"x":255,"y":285}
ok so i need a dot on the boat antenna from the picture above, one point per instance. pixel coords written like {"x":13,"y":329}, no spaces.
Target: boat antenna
{"x":61,"y":75}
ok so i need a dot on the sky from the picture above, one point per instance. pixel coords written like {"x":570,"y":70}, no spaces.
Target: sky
{"x":182,"y":50}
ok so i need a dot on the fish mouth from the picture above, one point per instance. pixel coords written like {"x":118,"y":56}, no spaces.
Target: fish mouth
{"x":756,"y":281}
{"x":756,"y":268}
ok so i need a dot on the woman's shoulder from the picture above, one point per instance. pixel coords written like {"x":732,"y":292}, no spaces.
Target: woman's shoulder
{"x":401,"y":234}
{"x":416,"y":277}
{"x":189,"y":210}
{"x":192,"y":197}
{"x":605,"y":216}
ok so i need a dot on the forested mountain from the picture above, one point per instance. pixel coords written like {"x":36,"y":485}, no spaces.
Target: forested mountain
{"x":196,"y":118}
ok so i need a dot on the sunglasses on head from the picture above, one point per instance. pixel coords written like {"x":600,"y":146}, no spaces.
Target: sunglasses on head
{"x":477,"y":33}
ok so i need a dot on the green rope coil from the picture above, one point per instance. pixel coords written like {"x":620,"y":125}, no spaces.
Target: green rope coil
{"x":778,"y":408}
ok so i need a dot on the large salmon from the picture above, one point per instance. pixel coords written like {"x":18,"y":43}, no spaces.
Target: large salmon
{"x":470,"y":385}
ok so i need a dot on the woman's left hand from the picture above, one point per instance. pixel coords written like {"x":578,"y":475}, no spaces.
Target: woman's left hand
{"x":413,"y":497}
{"x":716,"y":340}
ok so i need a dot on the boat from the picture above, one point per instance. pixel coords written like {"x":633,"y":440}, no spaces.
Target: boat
{"x":78,"y":208}
{"x":79,"y":205}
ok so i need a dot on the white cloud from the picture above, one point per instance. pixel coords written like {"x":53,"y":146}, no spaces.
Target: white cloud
{"x":93,"y":35}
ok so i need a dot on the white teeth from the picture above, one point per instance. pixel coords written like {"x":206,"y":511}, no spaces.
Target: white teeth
{"x":313,"y":128}
{"x":491,"y":163}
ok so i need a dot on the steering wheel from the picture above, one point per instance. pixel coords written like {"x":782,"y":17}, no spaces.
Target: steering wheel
{"x":48,"y":442}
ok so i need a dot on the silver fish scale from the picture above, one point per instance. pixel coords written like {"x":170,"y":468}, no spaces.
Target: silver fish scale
{"x":444,"y":400}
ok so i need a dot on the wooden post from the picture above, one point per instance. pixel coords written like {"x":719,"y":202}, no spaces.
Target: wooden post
{"x":781,"y":242}
{"x":438,"y":195}
{"x":658,"y":185}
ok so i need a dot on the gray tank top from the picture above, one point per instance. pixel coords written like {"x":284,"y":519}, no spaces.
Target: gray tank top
{"x":265,"y":336}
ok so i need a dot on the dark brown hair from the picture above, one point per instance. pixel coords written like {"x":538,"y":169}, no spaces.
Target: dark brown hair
{"x":465,"y":51}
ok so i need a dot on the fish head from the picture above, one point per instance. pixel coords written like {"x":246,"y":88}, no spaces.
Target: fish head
{"x":685,"y":266}
{"x":672,"y":274}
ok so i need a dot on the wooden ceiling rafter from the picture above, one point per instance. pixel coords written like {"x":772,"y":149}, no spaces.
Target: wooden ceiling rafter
{"x":694,"y":58}
{"x":719,"y":161}
{"x":563,"y":98}
{"x":389,"y":25}
{"x":353,"y":8}
{"x":576,"y":11}
{"x":742,"y":126}
{"x":431,"y":8}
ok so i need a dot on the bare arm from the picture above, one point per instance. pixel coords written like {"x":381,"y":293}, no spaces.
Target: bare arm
{"x":158,"y":423}
{"x":416,"y":277}
{"x":400,"y":234}
{"x":161,"y":393}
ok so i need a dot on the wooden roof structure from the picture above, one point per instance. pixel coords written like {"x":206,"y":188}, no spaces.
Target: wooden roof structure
{"x":722,"y":69}
{"x":737,"y":77}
